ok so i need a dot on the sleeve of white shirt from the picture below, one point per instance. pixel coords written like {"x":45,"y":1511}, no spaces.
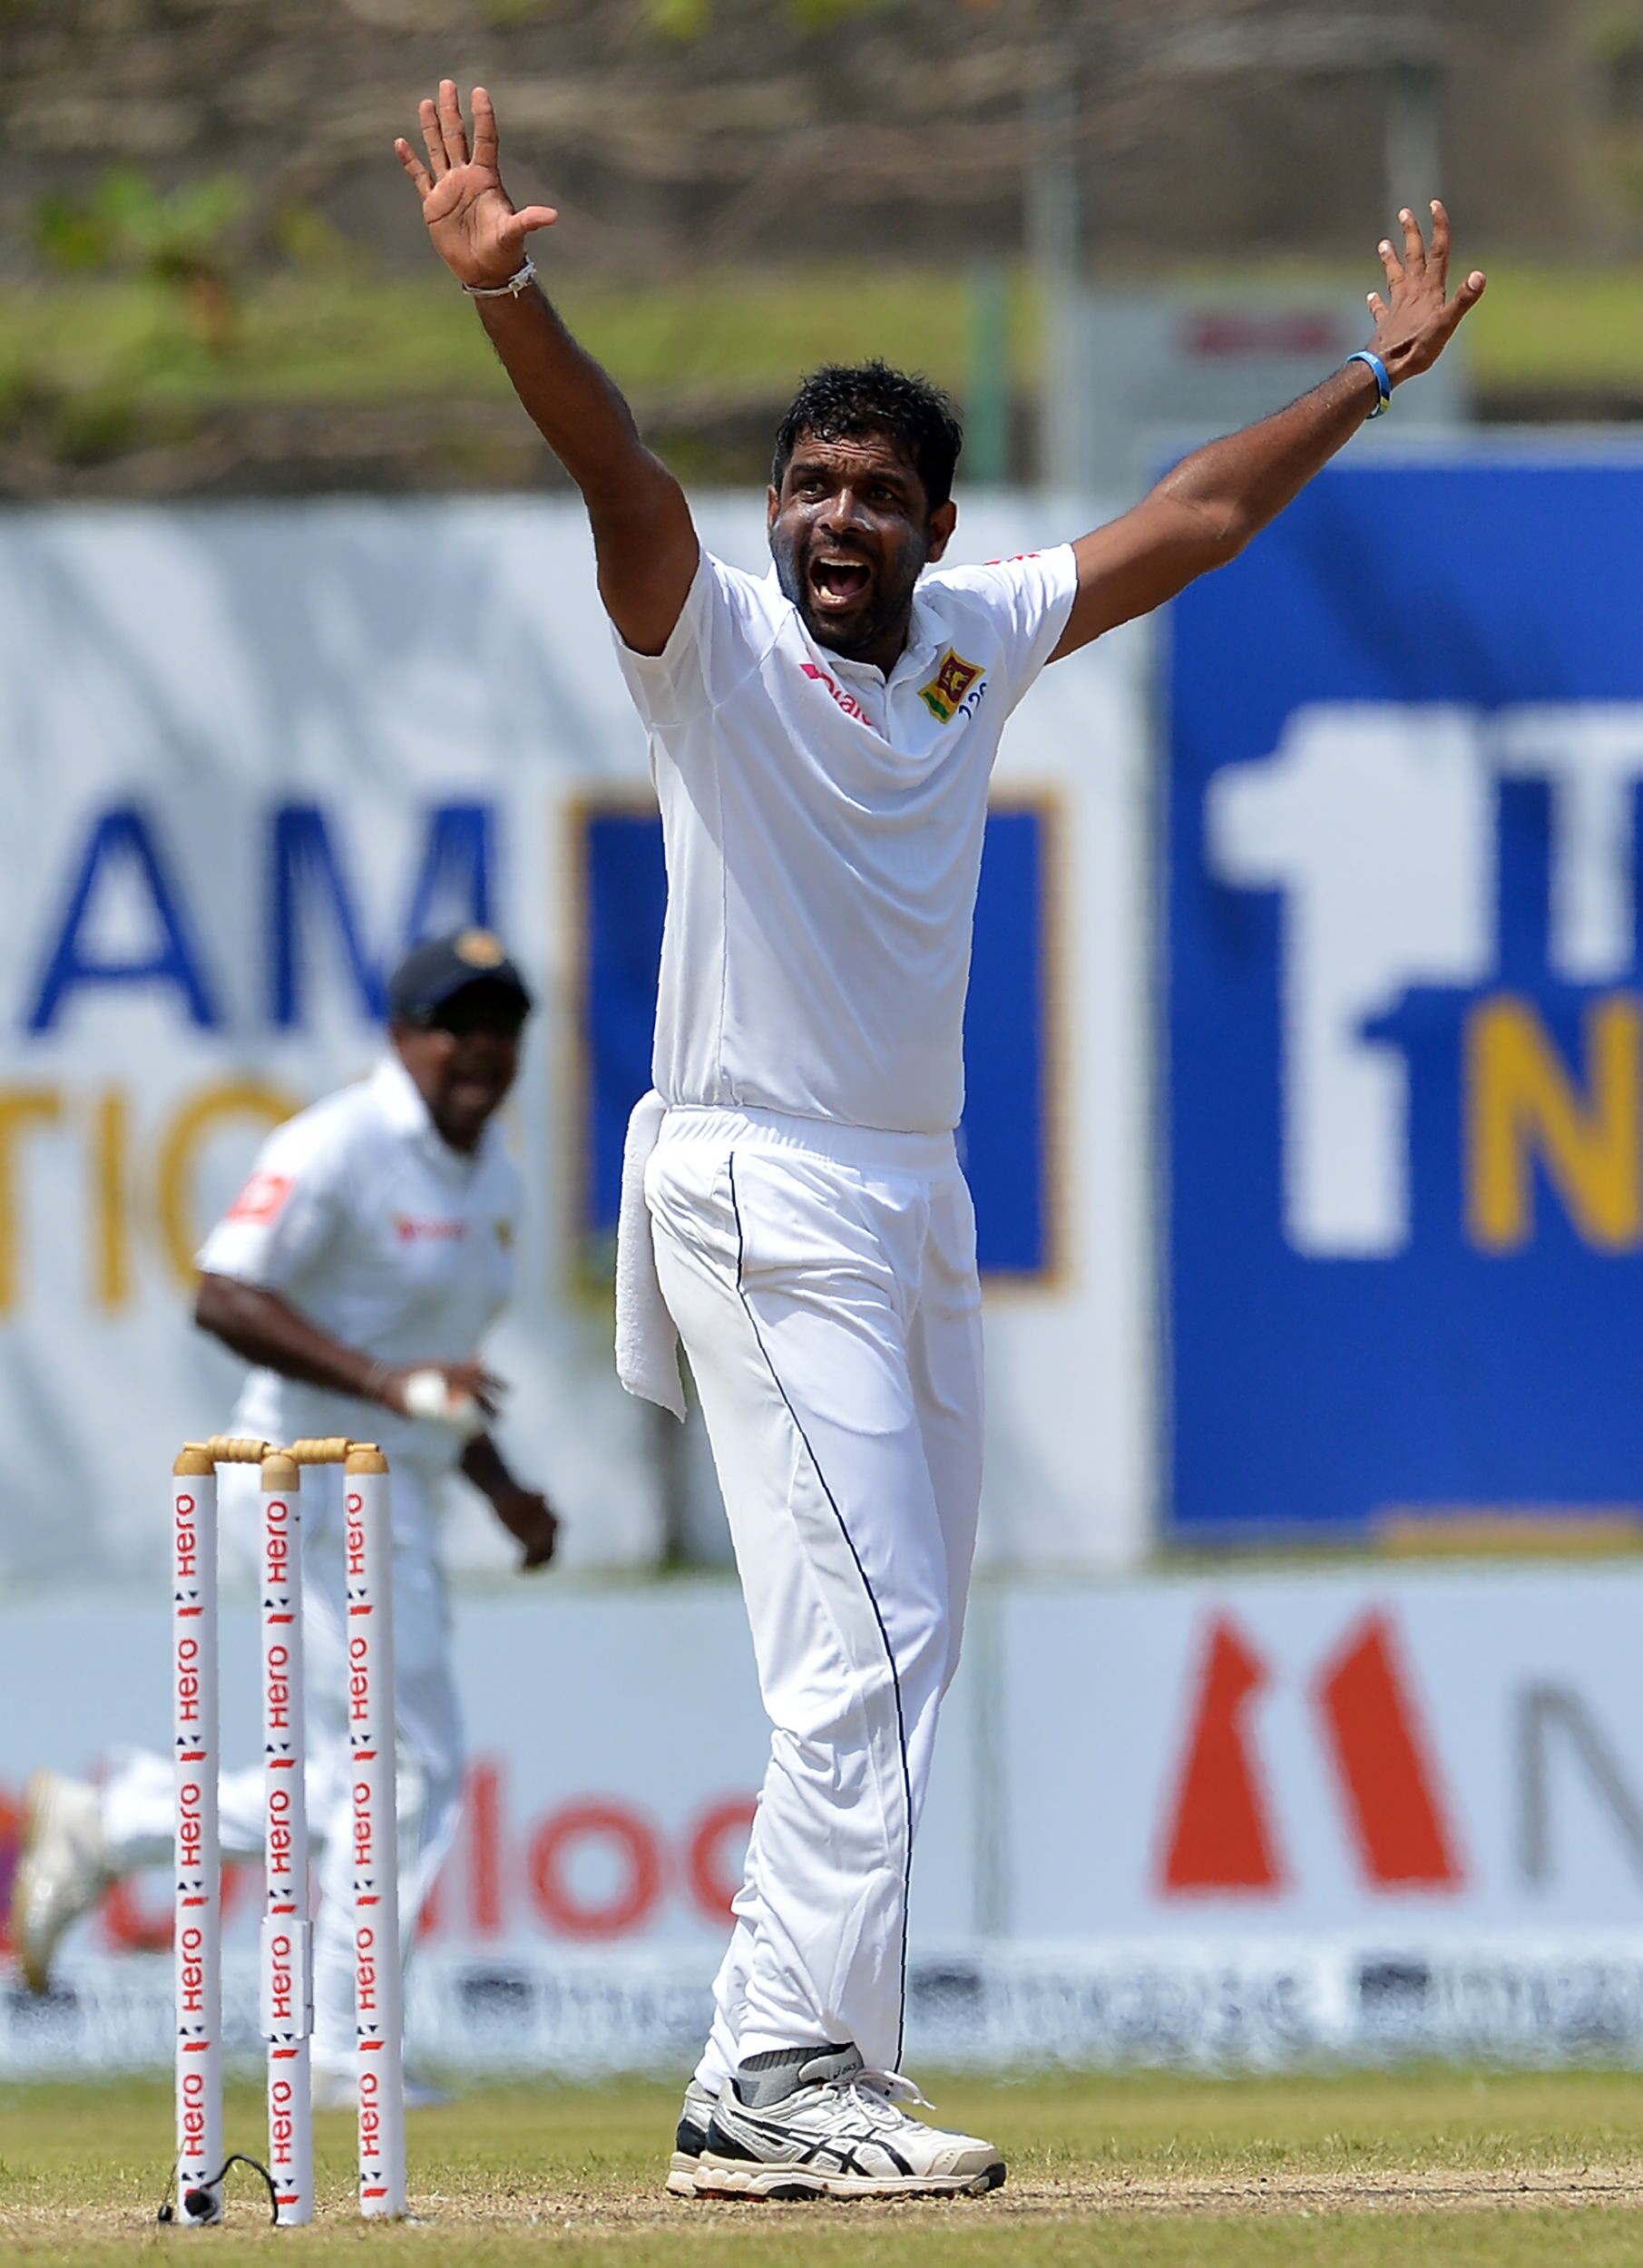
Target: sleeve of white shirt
{"x":728,"y":624}
{"x":290,"y":1211}
{"x":1028,"y":601}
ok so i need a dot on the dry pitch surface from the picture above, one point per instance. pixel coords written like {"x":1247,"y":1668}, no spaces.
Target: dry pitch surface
{"x":1143,"y":2173}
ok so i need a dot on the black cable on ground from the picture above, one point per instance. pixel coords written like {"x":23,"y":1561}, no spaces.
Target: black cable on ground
{"x":197,"y":2203}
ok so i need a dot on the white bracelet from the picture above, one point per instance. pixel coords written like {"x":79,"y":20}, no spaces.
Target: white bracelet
{"x":510,"y":290}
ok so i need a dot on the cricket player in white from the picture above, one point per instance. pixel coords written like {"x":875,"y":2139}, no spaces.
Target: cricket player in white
{"x":357,"y":1271}
{"x":821,"y":741}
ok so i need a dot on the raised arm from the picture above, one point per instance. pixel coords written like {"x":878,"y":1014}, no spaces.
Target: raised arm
{"x":643,"y":532}
{"x":1203,"y":512}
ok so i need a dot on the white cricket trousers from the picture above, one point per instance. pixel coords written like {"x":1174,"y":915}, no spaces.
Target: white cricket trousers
{"x":821,"y":1278}
{"x":137,"y":1793}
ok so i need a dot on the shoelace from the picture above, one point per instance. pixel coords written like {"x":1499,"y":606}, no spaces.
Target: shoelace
{"x":880,"y":2092}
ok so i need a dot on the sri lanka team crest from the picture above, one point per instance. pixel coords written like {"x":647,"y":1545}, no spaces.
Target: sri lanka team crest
{"x":946,"y":689}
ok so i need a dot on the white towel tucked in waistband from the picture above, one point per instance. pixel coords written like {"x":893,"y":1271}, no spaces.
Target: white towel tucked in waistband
{"x":647,"y":1344}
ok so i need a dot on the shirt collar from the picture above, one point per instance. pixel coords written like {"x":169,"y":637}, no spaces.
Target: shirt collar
{"x":923,"y":637}
{"x":924,"y":641}
{"x":925,"y":633}
{"x":407,"y":1113}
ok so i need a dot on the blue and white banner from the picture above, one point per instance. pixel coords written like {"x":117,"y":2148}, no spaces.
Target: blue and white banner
{"x":1406,"y":1006}
{"x":246,"y":756}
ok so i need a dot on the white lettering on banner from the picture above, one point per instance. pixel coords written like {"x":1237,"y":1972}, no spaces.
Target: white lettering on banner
{"x":1373,"y":821}
{"x":1377,"y":823}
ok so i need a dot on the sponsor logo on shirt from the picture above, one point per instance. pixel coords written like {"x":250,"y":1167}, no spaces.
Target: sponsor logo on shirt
{"x":846,"y":701}
{"x":505,"y":1234}
{"x":944,"y":697}
{"x":262,"y":1196}
{"x":411,"y":1231}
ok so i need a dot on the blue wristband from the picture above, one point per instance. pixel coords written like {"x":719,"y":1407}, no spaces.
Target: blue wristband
{"x":1365,"y":355}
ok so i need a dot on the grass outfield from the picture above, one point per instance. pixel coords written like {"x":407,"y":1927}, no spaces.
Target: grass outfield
{"x":728,"y":338}
{"x":1142,"y":2172}
{"x":348,"y":339}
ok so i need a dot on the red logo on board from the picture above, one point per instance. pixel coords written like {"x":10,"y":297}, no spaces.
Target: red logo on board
{"x":1220,"y":1834}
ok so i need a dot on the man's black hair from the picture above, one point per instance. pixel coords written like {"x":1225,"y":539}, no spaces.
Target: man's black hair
{"x":845,"y":402}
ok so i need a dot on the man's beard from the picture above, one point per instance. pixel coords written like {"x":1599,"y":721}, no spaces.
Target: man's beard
{"x":863,"y":632}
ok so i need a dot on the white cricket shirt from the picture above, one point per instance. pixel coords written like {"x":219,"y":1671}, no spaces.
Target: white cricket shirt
{"x":365,"y":1221}
{"x":823,"y":827}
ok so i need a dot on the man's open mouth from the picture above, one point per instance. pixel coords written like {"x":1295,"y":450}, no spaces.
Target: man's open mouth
{"x":837,"y":581}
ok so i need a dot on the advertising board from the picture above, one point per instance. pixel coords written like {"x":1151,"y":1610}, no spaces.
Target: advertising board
{"x":1231,"y":1821}
{"x":248,"y":754}
{"x":1405,"y":1054}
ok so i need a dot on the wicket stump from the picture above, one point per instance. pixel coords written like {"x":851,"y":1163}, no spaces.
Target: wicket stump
{"x":286,"y":1961}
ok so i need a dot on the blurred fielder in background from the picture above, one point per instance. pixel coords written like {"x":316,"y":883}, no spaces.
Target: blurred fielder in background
{"x":358,"y":1272}
{"x":822,"y":740}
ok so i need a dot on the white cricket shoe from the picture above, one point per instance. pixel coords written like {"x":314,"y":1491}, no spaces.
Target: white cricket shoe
{"x":691,"y":2140}
{"x":823,"y":2126}
{"x":60,"y":1872}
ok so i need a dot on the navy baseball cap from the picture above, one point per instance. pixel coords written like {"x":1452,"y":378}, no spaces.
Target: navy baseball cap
{"x":433,"y":973}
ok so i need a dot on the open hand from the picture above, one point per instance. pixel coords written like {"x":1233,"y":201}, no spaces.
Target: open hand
{"x":470,"y":216}
{"x":1413,"y":331}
